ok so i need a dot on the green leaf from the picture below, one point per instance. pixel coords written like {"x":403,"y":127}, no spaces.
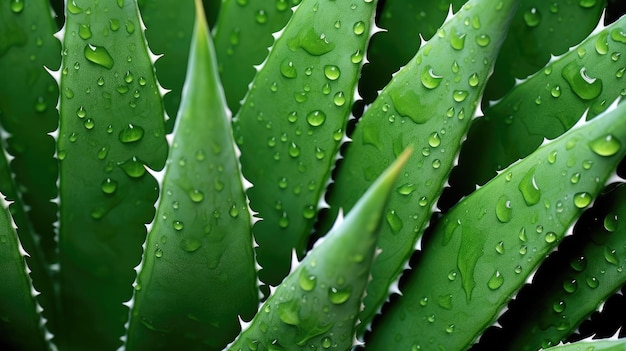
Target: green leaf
{"x":544,"y":106}
{"x":111,"y":130}
{"x":486,"y":246}
{"x":541,"y":29}
{"x":20,"y":322}
{"x":169,"y":25}
{"x":28,"y":114}
{"x":199,"y":252}
{"x":595,"y":345}
{"x":293,"y":120}
{"x":243,"y":34}
{"x":428,"y":104}
{"x":316,"y":306}
{"x":577,"y":280}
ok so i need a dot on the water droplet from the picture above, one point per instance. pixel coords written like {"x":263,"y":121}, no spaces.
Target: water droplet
{"x":434,"y":140}
{"x":460,"y":95}
{"x":89,"y":124}
{"x":261,"y":17}
{"x":587,"y":3}
{"x":436,"y":163}
{"x":130,"y":27}
{"x":582,"y":200}
{"x":287,"y":69}
{"x":98,"y":55}
{"x":283,"y":222}
{"x":178,"y":225}
{"x":430,"y":80}
{"x":190,"y":244}
{"x":319,"y":153}
{"x":339,"y":99}
{"x":550,"y":237}
{"x":109,"y":186}
{"x":575,"y":178}
{"x":483,"y":40}
{"x":196,"y":195}
{"x":610,"y":222}
{"x":570,"y":286}
{"x":452,"y":276}
{"x":294,"y":150}
{"x":587,"y":164}
{"x":131,"y":133}
{"x":495,"y":281}
{"x":394,"y":221}
{"x":532,"y":17}
{"x":356,"y":57}
{"x":358,"y":28}
{"x":445,"y":301}
{"x":17,"y":6}
{"x":618,"y":35}
{"x":529,"y":188}
{"x":473,"y":80}
{"x":579,"y":264}
{"x":133,"y":167}
{"x":592,"y":282}
{"x":316,"y":118}
{"x":406,"y":189}
{"x":450,"y":329}
{"x":128,"y":77}
{"x":504,"y":211}
{"x":457,"y":40}
{"x":234,"y":211}
{"x":558,"y":306}
{"x":314,"y":43}
{"x":332,"y":72}
{"x":602,"y":45}
{"x":337,"y":296}
{"x":158,"y":253}
{"x":84,"y":31}
{"x":326,"y":342}
{"x":585,"y":87}
{"x":423,"y":201}
{"x":306,"y":280}
{"x":607,"y":145}
{"x":500,"y":247}
{"x":610,"y":255}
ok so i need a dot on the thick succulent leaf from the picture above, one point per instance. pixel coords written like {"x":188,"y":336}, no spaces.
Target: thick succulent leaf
{"x":243,"y":35}
{"x":574,"y":281}
{"x":20,"y":322}
{"x":590,"y":76}
{"x":28,"y":96}
{"x":111,"y":129}
{"x":404,"y":22}
{"x":540,"y":29}
{"x":429,"y":105}
{"x":199,"y":251}
{"x":594,"y":345}
{"x":168,"y":30}
{"x":317,"y":304}
{"x":485,"y":247}
{"x":293,"y":119}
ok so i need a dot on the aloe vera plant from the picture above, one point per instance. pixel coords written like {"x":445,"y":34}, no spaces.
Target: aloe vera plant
{"x":175,"y":174}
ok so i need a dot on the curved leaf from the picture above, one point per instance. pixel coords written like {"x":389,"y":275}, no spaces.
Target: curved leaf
{"x":199,"y":252}
{"x":292,"y":121}
{"x":485,"y":247}
{"x":316,"y":306}
{"x":428,"y":104}
{"x":111,"y":129}
{"x":595,"y":345}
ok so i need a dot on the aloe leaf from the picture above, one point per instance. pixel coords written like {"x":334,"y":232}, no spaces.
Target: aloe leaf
{"x":486,"y":246}
{"x":317,"y":304}
{"x":243,"y":34}
{"x":168,"y":30}
{"x":111,"y":131}
{"x":574,"y":281}
{"x":404,"y":23}
{"x":428,"y":104}
{"x":589,"y":76}
{"x":595,"y":345}
{"x":203,"y":225}
{"x":293,"y":120}
{"x":540,"y":29}
{"x":20,"y":322}
{"x":28,"y":114}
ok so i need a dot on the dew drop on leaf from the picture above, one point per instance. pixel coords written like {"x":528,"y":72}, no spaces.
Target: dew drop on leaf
{"x":190,"y":244}
{"x":332,"y":72}
{"x":582,"y":200}
{"x":394,"y":221}
{"x":131,"y":133}
{"x":529,"y":189}
{"x":306,"y":280}
{"x":496,"y":281}
{"x":429,"y":79}
{"x":359,"y":28}
{"x":316,"y":118}
{"x":98,"y":55}
{"x":532,"y":17}
{"x":585,"y":87}
{"x":483,"y":40}
{"x":287,"y":69}
{"x":610,"y":222}
{"x":607,"y":145}
{"x":457,"y":40}
{"x":503,"y":209}
{"x":108,"y":186}
{"x":337,"y":296}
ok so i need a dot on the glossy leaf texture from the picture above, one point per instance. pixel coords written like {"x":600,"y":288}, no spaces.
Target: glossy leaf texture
{"x":20,"y":321}
{"x":484,"y":248}
{"x":27,"y":115}
{"x":316,"y":306}
{"x":589,"y":76}
{"x":404,"y":24}
{"x":169,"y":25}
{"x":571,"y":284}
{"x":428,"y":104}
{"x":199,"y":251}
{"x":541,"y":29}
{"x":28,"y":97}
{"x":243,"y":35}
{"x":111,"y":131}
{"x":595,"y":345}
{"x":293,"y":120}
